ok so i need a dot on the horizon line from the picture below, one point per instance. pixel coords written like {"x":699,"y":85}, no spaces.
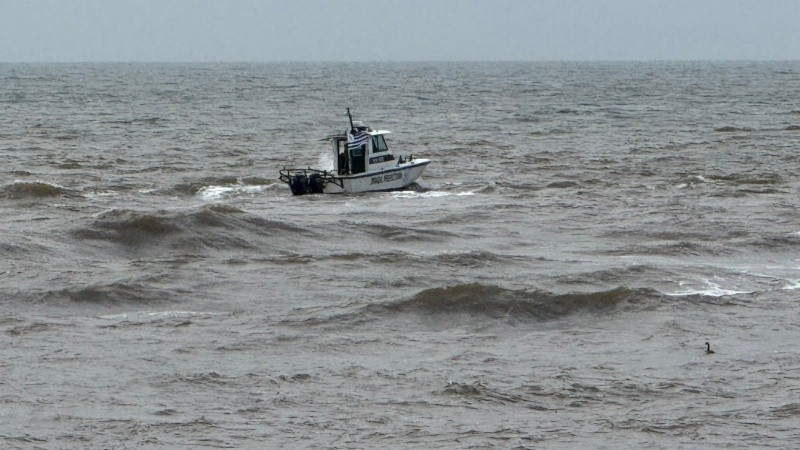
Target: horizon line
{"x":399,"y":61}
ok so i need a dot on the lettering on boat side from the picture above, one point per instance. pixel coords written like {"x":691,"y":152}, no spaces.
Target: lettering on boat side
{"x":386,"y":178}
{"x":380,"y":159}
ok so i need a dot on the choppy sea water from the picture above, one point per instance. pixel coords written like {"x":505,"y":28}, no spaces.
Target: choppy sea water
{"x":582,"y":231}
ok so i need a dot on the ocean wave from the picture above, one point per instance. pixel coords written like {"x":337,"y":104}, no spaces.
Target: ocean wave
{"x":20,"y":190}
{"x":730,"y":129}
{"x":119,"y":292}
{"x":25,"y":250}
{"x":524,"y":187}
{"x":616,"y":275}
{"x":710,"y":289}
{"x":35,"y":327}
{"x":216,"y":226}
{"x":483,"y":392}
{"x":135,"y":121}
{"x":496,"y":302}
{"x":562,"y":184}
{"x":474,"y":259}
{"x":211,"y":193}
{"x":429,"y":194}
{"x":465,"y":302}
{"x":128,"y":227}
{"x":789,"y":410}
{"x":160,"y":319}
{"x":471,"y":259}
{"x":222,"y":184}
{"x":746,"y":179}
{"x":402,"y":234}
{"x":677,"y":248}
{"x":774,"y":241}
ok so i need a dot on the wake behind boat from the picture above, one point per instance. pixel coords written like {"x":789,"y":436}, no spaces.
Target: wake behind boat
{"x":362,"y":163}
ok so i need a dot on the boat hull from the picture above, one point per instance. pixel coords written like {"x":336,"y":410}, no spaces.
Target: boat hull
{"x":385,"y":180}
{"x":314,"y":181}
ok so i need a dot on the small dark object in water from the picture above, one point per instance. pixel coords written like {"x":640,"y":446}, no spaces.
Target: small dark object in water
{"x":708,"y":349}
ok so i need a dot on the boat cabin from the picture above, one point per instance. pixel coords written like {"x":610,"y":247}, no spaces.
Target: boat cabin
{"x":360,"y":150}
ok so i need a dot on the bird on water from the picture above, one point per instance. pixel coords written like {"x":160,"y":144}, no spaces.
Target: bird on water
{"x":708,"y":349}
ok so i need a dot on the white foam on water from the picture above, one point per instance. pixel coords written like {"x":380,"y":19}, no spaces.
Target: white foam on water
{"x":150,"y":314}
{"x":424,"y":184}
{"x":155,"y":316}
{"x":101,"y":194}
{"x":430,"y":194}
{"x":211,"y":193}
{"x":30,"y":182}
{"x":792,"y":287}
{"x":711,"y":289}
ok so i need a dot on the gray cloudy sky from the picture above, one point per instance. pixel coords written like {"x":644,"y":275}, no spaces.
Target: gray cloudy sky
{"x":398,"y":30}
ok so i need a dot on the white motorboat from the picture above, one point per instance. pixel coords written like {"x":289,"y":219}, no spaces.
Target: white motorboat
{"x":362,"y":163}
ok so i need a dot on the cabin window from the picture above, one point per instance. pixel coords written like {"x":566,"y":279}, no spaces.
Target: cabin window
{"x":378,"y":144}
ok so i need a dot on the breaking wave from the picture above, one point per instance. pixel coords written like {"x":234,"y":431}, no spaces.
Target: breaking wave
{"x":211,"y":186}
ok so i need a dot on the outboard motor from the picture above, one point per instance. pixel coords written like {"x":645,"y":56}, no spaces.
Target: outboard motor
{"x":298,"y":184}
{"x":301,"y":183}
{"x":315,"y":184}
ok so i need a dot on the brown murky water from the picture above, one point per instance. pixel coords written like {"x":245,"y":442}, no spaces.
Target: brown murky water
{"x":582,"y":231}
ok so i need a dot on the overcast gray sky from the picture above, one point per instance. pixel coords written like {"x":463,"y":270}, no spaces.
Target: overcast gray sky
{"x":398,"y":30}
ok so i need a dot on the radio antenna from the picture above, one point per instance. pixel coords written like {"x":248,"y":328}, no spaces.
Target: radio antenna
{"x":349,"y":116}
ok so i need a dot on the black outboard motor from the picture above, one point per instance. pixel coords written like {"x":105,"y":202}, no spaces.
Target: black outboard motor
{"x":315,"y":184}
{"x":298,"y":184}
{"x":307,"y":184}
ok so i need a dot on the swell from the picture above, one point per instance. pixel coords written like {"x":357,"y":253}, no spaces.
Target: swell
{"x":746,"y":180}
{"x":773,"y":241}
{"x":477,"y":299}
{"x":480,"y":301}
{"x":732,"y":129}
{"x":618,"y":275}
{"x":141,"y":290}
{"x":396,"y":233}
{"x":121,"y":292}
{"x":656,"y":241}
{"x":706,"y":241}
{"x":475,"y":259}
{"x":215,"y":226}
{"x":22,"y":190}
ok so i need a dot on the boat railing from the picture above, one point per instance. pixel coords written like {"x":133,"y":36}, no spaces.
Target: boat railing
{"x":327,"y":176}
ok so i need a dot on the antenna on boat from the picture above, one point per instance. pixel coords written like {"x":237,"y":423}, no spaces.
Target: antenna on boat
{"x":349,"y":116}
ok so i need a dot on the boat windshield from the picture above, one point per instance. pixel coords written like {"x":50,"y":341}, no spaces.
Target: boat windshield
{"x":378,"y":144}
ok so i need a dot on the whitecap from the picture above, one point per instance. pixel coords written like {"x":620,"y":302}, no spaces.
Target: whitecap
{"x":792,"y":287}
{"x":211,"y":193}
{"x":430,"y":194}
{"x":710,"y":290}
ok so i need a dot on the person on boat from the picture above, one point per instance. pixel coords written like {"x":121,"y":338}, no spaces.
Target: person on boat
{"x":342,"y":163}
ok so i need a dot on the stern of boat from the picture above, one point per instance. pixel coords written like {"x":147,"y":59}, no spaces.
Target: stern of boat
{"x":310,"y":181}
